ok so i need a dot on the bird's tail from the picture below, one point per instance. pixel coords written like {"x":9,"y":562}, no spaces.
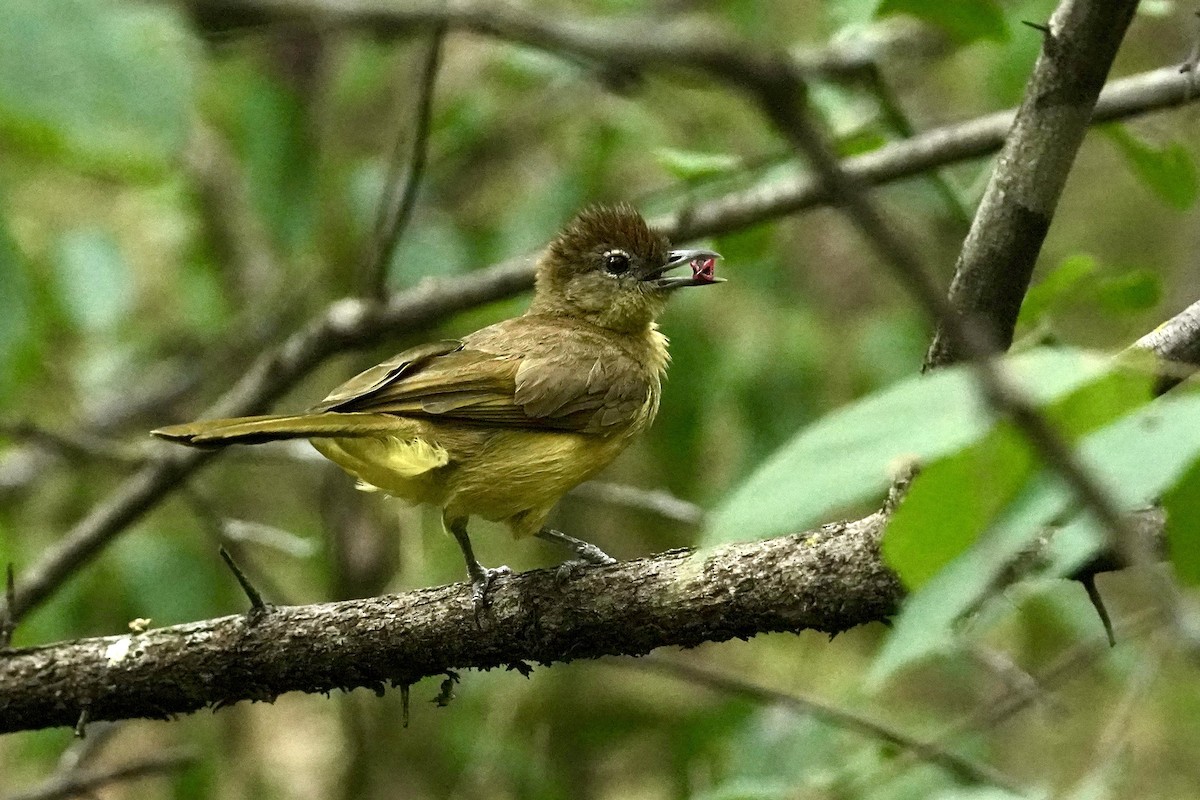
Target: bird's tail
{"x":255,"y":430}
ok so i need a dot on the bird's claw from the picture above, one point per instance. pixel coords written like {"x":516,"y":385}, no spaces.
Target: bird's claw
{"x":481,"y":586}
{"x":595,"y":557}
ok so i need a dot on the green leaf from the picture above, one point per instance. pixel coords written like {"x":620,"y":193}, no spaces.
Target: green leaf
{"x":689,"y":165}
{"x":1138,"y":458}
{"x":1136,"y":290}
{"x":1182,"y":505}
{"x":928,"y":530}
{"x":851,"y":455}
{"x":104,"y":85}
{"x":965,"y":21}
{"x":1057,"y":288}
{"x":951,"y":502}
{"x":1168,"y":171}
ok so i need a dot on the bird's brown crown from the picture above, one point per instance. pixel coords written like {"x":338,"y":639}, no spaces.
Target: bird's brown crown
{"x":596,"y":230}
{"x":596,"y":268}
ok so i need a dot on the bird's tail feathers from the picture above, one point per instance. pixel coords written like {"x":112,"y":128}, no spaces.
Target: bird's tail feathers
{"x":256,"y":430}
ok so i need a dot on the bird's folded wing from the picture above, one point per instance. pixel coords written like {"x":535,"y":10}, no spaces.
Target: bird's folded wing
{"x":559,"y":389}
{"x":380,"y":375}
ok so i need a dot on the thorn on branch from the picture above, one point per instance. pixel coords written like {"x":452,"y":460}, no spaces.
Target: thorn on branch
{"x":257,"y":606}
{"x":446,"y":691}
{"x":81,"y":726}
{"x":1089,"y":584}
{"x":1049,"y":40}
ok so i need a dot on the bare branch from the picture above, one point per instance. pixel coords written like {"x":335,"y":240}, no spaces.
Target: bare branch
{"x":781,"y":94}
{"x":396,"y":208}
{"x":235,"y":231}
{"x":655,"y":501}
{"x":964,"y":768}
{"x":828,"y":579}
{"x":1177,"y":342}
{"x":998,"y":257}
{"x":77,"y":782}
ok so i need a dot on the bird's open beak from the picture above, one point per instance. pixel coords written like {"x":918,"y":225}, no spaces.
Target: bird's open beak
{"x":701,"y":262}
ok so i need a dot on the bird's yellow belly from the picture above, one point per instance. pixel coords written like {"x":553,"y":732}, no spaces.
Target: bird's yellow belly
{"x":512,"y":476}
{"x":522,"y":474}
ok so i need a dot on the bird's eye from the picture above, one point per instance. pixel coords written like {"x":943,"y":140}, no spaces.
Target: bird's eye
{"x":616,"y":262}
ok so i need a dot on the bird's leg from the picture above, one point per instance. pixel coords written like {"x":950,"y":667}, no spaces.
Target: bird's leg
{"x":481,"y":577}
{"x":587,"y":552}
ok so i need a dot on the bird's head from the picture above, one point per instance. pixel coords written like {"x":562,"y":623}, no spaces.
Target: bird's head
{"x":608,"y":267}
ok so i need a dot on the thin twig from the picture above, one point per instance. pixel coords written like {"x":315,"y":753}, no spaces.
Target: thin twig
{"x":232,"y":225}
{"x":1116,"y":734}
{"x":1068,"y":665}
{"x":656,"y":501}
{"x":81,"y":724}
{"x":895,"y":118}
{"x":85,"y":782}
{"x":76,"y":445}
{"x":966,"y":769}
{"x":218,"y":529}
{"x":396,"y":207}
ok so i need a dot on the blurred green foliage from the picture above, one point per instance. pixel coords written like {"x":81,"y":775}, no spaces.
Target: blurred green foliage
{"x":179,"y":191}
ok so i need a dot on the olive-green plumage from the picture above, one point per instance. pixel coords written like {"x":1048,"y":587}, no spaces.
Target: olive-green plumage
{"x":501,"y":423}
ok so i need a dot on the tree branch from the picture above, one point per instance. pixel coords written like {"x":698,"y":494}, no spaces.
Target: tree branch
{"x":399,"y":200}
{"x":999,"y":254}
{"x":85,"y":782}
{"x":1177,"y":343}
{"x":828,"y":579}
{"x":966,"y":769}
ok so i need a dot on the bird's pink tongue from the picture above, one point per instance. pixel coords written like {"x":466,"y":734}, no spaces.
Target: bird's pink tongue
{"x":703,"y":269}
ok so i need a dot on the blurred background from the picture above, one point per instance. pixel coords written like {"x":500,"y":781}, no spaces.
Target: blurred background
{"x":180,"y":189}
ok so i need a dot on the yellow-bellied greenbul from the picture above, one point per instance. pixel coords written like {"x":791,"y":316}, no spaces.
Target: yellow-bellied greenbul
{"x":503,"y":422}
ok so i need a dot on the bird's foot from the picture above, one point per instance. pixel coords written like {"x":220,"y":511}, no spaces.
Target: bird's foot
{"x":588,"y":556}
{"x":481,"y":586}
{"x":568,"y":569}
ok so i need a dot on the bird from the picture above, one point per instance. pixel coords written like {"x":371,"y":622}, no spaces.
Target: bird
{"x":502,"y":422}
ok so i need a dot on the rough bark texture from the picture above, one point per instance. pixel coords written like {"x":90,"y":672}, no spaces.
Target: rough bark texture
{"x":998,"y":256}
{"x":829,"y":579}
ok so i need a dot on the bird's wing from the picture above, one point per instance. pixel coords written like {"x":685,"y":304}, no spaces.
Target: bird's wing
{"x":506,"y":380}
{"x":369,"y":380}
